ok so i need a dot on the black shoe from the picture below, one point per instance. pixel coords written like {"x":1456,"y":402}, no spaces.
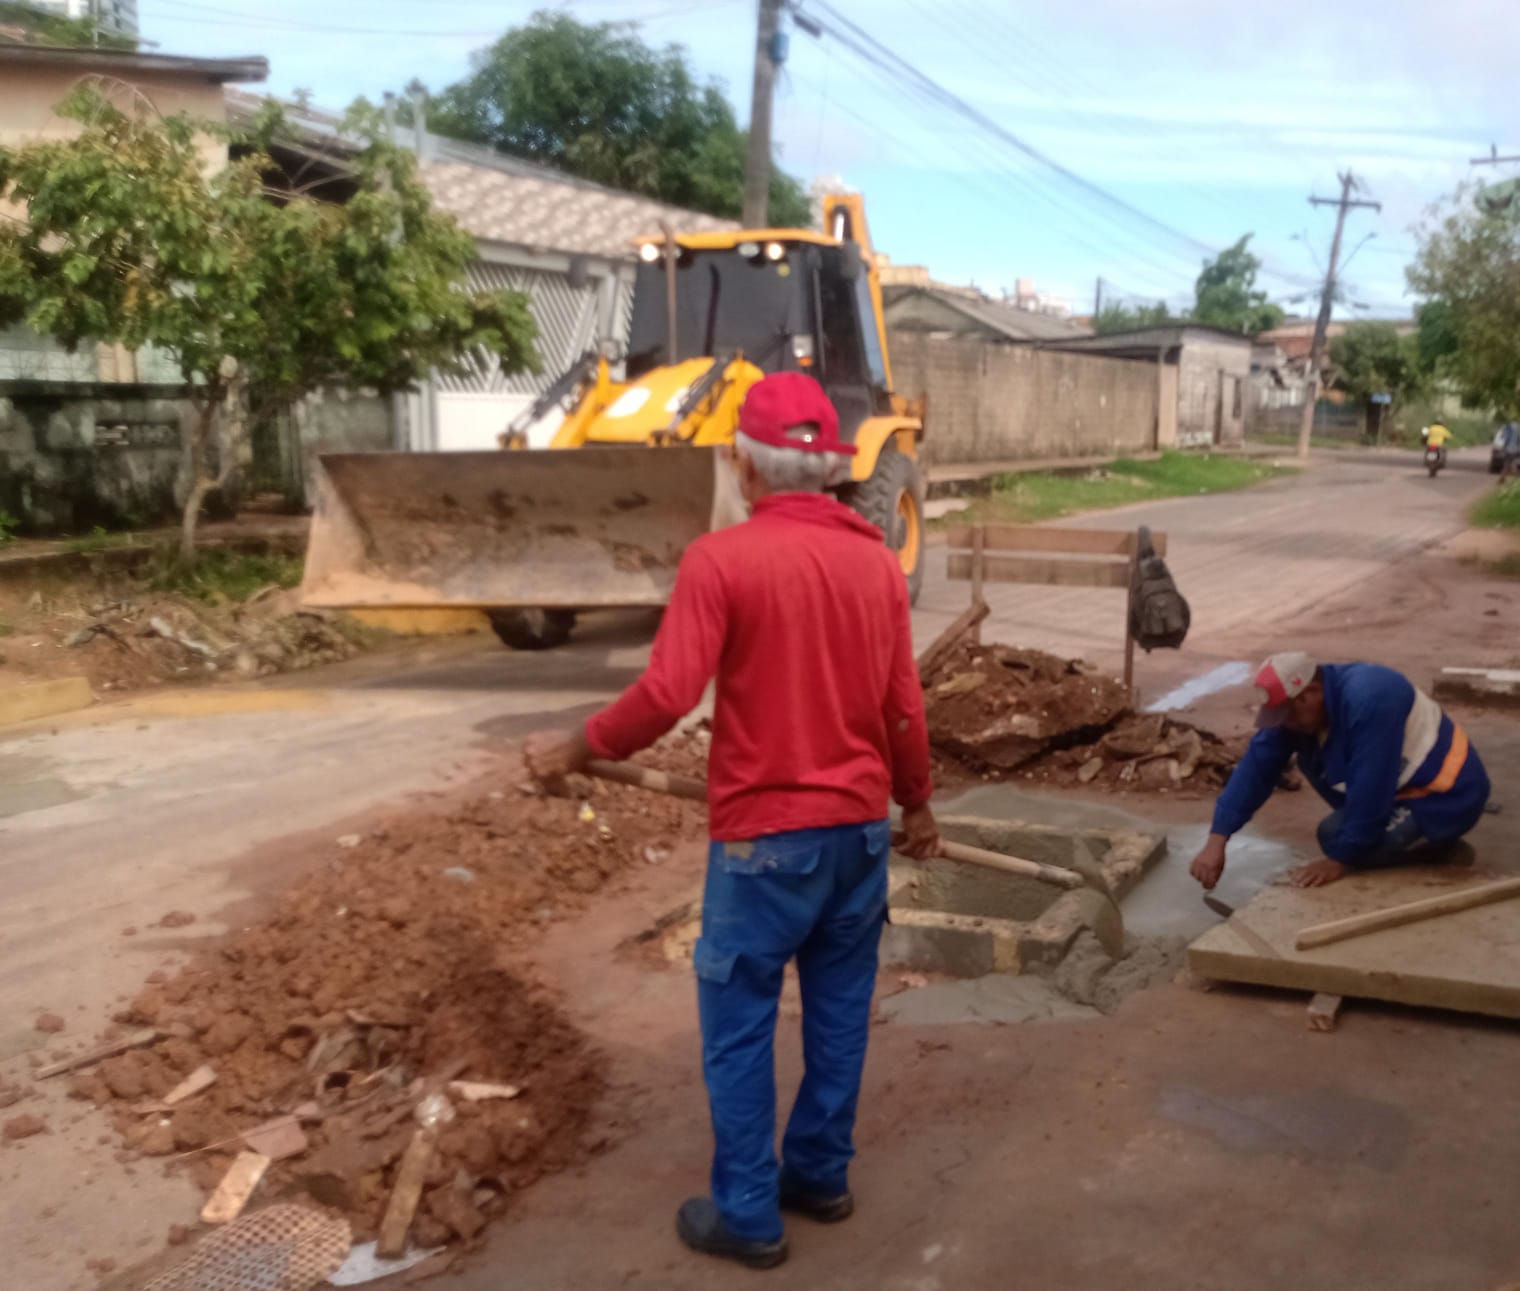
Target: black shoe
{"x":703,"y":1229}
{"x":816,"y":1205}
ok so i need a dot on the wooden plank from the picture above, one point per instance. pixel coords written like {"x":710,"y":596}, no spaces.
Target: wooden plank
{"x":978,"y":562}
{"x":203,"y":1077}
{"x":1040,"y":538}
{"x":91,"y":1056}
{"x":277,"y":1139}
{"x":237,"y":1185}
{"x":410,"y":1176}
{"x":1322,"y":1012}
{"x":1398,"y":916}
{"x":474,"y":1091}
{"x":1468,"y":960}
{"x":944,"y":644}
{"x":1047,"y":573}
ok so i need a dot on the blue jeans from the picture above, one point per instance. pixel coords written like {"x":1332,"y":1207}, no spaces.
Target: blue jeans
{"x":1419,"y":828}
{"x":819,"y":895}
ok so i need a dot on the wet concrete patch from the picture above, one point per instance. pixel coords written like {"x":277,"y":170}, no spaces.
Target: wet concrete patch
{"x":1321,"y":1124}
{"x":25,"y":786}
{"x":998,"y":998}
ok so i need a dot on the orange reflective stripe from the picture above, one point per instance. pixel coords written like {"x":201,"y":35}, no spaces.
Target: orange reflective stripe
{"x":1451,"y":768}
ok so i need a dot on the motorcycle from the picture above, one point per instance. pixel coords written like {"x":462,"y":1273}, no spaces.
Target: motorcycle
{"x":1435,"y":454}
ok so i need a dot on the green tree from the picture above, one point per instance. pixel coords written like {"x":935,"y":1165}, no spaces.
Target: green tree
{"x":260,"y":294}
{"x":595,"y":101}
{"x":1372,"y":358}
{"x":1127,"y":318}
{"x":1226,"y":294}
{"x":45,"y":28}
{"x":1468,"y":270}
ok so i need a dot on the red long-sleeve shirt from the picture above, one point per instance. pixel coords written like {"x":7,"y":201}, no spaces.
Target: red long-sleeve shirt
{"x":802,"y":614}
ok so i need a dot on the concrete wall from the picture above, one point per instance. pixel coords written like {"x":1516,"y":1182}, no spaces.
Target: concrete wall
{"x":1211,"y":394}
{"x":75,"y":456}
{"x":990,"y":402}
{"x":29,"y":97}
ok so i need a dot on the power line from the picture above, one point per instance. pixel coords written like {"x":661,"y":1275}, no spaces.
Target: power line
{"x":978,"y":118}
{"x":899,"y":77}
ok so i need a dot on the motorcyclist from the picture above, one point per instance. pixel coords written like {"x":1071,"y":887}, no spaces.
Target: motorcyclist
{"x":1435,"y":436}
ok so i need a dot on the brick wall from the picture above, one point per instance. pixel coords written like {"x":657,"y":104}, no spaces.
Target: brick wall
{"x":991,"y":402}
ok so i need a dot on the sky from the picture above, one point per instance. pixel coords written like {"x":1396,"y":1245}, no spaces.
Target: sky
{"x":1181,"y":124}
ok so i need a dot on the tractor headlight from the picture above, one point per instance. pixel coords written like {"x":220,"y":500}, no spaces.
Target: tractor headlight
{"x":649,"y":252}
{"x":774,"y":251}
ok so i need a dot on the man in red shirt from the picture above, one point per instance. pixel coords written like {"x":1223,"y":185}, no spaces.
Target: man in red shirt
{"x":802,"y":615}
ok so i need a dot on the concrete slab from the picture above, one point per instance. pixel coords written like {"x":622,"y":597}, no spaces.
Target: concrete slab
{"x":1488,"y":687}
{"x":1468,"y":961}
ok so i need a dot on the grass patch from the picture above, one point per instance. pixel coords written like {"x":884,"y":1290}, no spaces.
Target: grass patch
{"x":1497,"y":509}
{"x":1037,"y":496}
{"x":219,"y":576}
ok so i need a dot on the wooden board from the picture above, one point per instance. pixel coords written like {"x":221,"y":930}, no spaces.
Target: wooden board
{"x":1029,"y":537}
{"x":1050,"y":573}
{"x":1468,"y":960}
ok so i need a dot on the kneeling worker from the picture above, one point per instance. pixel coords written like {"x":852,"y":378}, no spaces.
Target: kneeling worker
{"x":1399,"y":773}
{"x":802,"y":615}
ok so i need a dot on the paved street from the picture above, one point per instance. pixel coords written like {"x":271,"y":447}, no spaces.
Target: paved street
{"x":111,"y":818}
{"x":1239,"y":558}
{"x":168,"y":790}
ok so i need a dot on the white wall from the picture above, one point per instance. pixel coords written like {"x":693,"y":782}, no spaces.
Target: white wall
{"x":471,"y":422}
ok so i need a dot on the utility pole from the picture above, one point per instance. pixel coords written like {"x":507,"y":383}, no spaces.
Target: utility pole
{"x":769,"y":51}
{"x":1493,"y":158}
{"x":1098,"y":300}
{"x":1326,"y":301}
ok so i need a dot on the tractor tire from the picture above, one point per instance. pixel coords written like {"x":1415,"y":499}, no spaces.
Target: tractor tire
{"x":532,"y":629}
{"x":893,"y":500}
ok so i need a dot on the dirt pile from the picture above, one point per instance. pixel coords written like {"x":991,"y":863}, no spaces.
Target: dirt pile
{"x":388,"y":975}
{"x":996,"y":711}
{"x":158,"y":637}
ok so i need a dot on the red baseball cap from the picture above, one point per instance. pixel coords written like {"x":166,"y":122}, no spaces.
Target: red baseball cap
{"x":790,"y":410}
{"x":1280,"y":680}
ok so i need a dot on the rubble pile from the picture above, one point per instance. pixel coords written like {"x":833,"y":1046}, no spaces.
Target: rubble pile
{"x":1000,"y":711}
{"x":381,"y":1000}
{"x":160,"y":637}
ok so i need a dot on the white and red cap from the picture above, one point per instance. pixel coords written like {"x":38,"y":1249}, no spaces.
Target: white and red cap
{"x":1280,"y":680}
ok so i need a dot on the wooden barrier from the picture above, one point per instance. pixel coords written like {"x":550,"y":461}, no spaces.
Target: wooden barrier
{"x":1031,"y":554}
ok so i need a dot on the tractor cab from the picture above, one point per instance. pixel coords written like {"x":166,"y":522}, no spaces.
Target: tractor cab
{"x":780,"y":301}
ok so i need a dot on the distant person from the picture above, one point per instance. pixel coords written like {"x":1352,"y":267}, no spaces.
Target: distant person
{"x":1401,"y":776}
{"x":802,"y":615}
{"x":1436,"y":435}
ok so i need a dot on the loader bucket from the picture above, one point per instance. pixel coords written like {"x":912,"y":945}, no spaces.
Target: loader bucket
{"x":592,"y":527}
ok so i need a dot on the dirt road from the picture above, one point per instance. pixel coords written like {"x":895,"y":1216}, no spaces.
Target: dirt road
{"x":111,"y":819}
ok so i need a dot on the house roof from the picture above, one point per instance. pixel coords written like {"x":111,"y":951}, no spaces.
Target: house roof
{"x":500,"y":199}
{"x":1006,"y":322}
{"x":1162,"y":334}
{"x":503,"y":199}
{"x":219,"y":71}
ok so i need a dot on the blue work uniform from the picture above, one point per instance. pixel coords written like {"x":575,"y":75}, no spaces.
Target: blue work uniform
{"x":1399,"y":773}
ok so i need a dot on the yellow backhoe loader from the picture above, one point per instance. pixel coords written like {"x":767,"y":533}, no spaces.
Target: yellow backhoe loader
{"x":535,"y":536}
